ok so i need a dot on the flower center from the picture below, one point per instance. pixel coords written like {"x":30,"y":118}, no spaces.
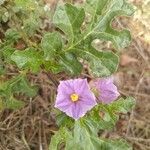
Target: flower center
{"x":74,"y":97}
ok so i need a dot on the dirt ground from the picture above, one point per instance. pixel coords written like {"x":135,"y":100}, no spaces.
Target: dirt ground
{"x":31,"y":127}
{"x":134,"y":78}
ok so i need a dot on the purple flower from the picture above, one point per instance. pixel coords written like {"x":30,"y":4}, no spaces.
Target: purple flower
{"x":75,"y":98}
{"x":105,"y":90}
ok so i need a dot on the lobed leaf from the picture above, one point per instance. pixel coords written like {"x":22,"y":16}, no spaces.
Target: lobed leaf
{"x":62,"y":120}
{"x":15,"y":86}
{"x":59,"y":137}
{"x":21,"y":85}
{"x":101,"y":63}
{"x":106,"y":116}
{"x":69,"y":19}
{"x":123,"y":105}
{"x":102,"y":13}
{"x":70,"y":63}
{"x":27,"y":59}
{"x":51,"y":44}
{"x":105,"y":12}
{"x":84,"y":136}
{"x":83,"y":140}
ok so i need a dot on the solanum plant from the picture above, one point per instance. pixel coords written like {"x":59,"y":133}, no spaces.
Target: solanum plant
{"x":82,"y":108}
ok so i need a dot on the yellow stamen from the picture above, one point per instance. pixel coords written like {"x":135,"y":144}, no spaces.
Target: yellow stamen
{"x":74,"y":97}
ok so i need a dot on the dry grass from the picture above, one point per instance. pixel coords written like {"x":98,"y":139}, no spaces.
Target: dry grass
{"x":134,"y":79}
{"x":30,"y":127}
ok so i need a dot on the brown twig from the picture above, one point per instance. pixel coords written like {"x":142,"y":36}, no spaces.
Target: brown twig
{"x":52,"y":78}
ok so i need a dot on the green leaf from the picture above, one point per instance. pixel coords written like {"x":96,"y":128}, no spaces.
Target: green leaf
{"x":123,"y":105}
{"x":12,"y":103}
{"x":83,"y":140}
{"x":53,"y":66}
{"x":118,"y":144}
{"x":22,"y":85}
{"x":107,"y":121}
{"x":51,"y":44}
{"x":101,"y":63}
{"x":27,"y":59}
{"x":120,"y":39}
{"x":56,"y":140}
{"x":95,"y":7}
{"x":2,"y":66}
{"x":2,"y":69}
{"x":59,"y":137}
{"x":70,"y":63}
{"x":62,"y":120}
{"x":108,"y":10}
{"x":12,"y":35}
{"x":18,"y":84}
{"x":7,"y":52}
{"x":26,"y":4}
{"x":69,"y":19}
{"x":105,"y":116}
{"x":31,"y":24}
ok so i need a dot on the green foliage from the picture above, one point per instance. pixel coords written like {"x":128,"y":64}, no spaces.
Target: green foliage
{"x":62,"y":120}
{"x":102,"y":116}
{"x":82,"y":139}
{"x":27,"y":59}
{"x":102,"y":63}
{"x":12,"y":35}
{"x":12,"y":103}
{"x":63,"y":51}
{"x":106,"y":116}
{"x":26,"y":4}
{"x":20,"y":21}
{"x":2,"y":69}
{"x":7,"y":51}
{"x":14,"y":86}
{"x":51,"y":44}
{"x":59,"y":138}
{"x":83,"y":134}
{"x":122,"y":105}
{"x":70,"y":63}
{"x":69,"y":19}
{"x":102,"y":29}
{"x":58,"y":45}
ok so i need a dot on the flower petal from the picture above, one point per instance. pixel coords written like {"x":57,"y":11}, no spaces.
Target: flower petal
{"x":65,"y":88}
{"x":81,"y":86}
{"x":107,"y":90}
{"x":79,"y":108}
